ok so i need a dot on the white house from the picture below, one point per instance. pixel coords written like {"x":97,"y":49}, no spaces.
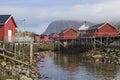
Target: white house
{"x":82,"y":29}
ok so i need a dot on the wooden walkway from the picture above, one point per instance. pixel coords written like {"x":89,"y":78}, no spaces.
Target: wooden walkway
{"x":89,"y":42}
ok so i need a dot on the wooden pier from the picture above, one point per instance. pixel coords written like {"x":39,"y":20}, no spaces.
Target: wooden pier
{"x":88,"y":42}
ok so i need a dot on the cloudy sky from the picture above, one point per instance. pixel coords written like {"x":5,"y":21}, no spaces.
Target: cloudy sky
{"x":39,"y":13}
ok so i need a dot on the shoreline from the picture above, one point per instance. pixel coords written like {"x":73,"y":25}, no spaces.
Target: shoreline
{"x":109,"y":55}
{"x":15,"y":71}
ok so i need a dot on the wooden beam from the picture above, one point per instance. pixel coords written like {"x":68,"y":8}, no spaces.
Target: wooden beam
{"x":11,"y":58}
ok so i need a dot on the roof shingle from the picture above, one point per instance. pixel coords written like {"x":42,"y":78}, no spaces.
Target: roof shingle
{"x":96,"y":26}
{"x":3,"y":19}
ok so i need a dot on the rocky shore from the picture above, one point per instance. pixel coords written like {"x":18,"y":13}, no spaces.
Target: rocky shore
{"x":109,"y":55}
{"x":10,"y":70}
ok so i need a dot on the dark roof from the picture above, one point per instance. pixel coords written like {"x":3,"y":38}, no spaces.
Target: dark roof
{"x":33,"y":35}
{"x":3,"y":19}
{"x":52,"y":34}
{"x":43,"y":35}
{"x":96,"y":26}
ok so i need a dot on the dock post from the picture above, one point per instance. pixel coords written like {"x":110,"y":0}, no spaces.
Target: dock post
{"x":4,"y":49}
{"x":31,"y":52}
{"x":59,"y":45}
{"x":94,"y":43}
{"x":15,"y":50}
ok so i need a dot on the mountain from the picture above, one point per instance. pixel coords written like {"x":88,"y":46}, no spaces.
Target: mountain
{"x":60,"y":25}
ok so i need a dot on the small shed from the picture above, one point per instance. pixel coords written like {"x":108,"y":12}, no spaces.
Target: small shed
{"x":103,"y":29}
{"x":44,"y":38}
{"x":7,"y":28}
{"x":36,"y":37}
{"x":69,"y":33}
{"x":54,"y":36}
{"x":41,"y":37}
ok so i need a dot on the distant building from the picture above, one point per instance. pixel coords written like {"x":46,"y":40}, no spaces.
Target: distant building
{"x":82,"y":29}
{"x":69,"y":33}
{"x":36,"y":37}
{"x":103,"y":29}
{"x":42,"y":37}
{"x":7,"y":28}
{"x":54,"y":36}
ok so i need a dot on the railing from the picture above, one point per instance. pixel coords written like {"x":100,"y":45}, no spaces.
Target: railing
{"x":17,"y":39}
{"x":99,"y":34}
{"x":26,"y":38}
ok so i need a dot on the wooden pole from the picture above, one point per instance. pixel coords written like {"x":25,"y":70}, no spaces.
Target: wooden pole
{"x":15,"y":50}
{"x":4,"y":49}
{"x":94,"y":43}
{"x":31,"y":52}
{"x":23,"y":52}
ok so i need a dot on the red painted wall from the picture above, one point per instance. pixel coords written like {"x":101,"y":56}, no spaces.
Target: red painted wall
{"x":69,"y":34}
{"x":46,"y":38}
{"x":55,"y":36}
{"x":10,"y":25}
{"x":36,"y":38}
{"x":107,"y":30}
{"x":41,"y":38}
{"x":1,"y":33}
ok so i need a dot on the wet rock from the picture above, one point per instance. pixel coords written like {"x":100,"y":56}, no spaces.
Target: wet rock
{"x":108,"y":50}
{"x":23,"y":77}
{"x":97,"y":60}
{"x":3,"y":63}
{"x":97,"y":56}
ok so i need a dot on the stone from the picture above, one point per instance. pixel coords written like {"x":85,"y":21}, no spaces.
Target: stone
{"x":3,"y":63}
{"x":23,"y":77}
{"x":97,"y":60}
{"x":97,"y":56}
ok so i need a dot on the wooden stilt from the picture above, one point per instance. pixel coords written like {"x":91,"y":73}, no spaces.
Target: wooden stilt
{"x":31,"y":51}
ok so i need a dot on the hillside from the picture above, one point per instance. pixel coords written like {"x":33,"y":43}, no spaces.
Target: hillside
{"x":60,"y":25}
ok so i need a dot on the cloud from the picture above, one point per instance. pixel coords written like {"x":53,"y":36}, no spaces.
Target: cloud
{"x":38,"y":17}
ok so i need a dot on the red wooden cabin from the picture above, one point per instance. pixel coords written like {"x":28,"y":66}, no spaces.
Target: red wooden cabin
{"x":44,"y":38}
{"x":38,"y":38}
{"x":69,"y":33}
{"x":103,"y":29}
{"x":54,"y":36}
{"x":7,"y":28}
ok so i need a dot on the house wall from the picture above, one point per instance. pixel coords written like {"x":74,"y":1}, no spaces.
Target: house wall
{"x":69,"y":34}
{"x":10,"y":25}
{"x":1,"y":33}
{"x":107,"y":30}
{"x":36,"y":38}
{"x":41,"y":38}
{"x":46,"y":38}
{"x":56,"y":36}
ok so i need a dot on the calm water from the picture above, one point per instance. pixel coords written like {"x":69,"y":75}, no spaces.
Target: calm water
{"x":55,"y":66}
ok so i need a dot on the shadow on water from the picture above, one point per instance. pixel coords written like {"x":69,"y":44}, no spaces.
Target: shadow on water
{"x":59,"y":66}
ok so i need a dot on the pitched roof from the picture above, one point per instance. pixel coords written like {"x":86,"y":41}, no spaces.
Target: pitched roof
{"x":83,"y":27}
{"x":51,"y":35}
{"x":4,"y":18}
{"x":96,"y":26}
{"x":67,"y":30}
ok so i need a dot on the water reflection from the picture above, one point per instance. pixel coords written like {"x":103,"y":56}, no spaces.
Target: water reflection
{"x":58,"y":66}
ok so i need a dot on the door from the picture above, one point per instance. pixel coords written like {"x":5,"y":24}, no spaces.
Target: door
{"x":9,"y":35}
